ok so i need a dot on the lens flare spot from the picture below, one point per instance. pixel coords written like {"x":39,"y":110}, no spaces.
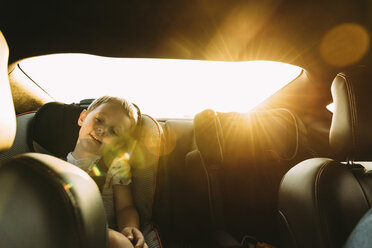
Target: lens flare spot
{"x":126,"y":156}
{"x":170,"y":142}
{"x":96,"y":171}
{"x":151,"y":141}
{"x":137,"y":157}
{"x":67,"y":186}
{"x":344,"y":44}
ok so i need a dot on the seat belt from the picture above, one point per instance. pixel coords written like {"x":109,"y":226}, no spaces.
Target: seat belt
{"x":215,"y":195}
{"x":215,"y":184}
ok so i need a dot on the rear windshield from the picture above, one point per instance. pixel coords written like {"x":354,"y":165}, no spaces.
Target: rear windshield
{"x":163,"y":88}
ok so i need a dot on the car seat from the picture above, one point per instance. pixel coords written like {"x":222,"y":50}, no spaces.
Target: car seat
{"x":233,"y":177}
{"x":322,"y":199}
{"x":44,"y":201}
{"x":55,"y":131}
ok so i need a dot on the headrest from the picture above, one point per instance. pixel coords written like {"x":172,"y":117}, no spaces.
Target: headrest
{"x":350,"y":134}
{"x":46,"y":202}
{"x":256,"y":136}
{"x":56,"y":128}
{"x":209,"y":136}
{"x":8,"y":117}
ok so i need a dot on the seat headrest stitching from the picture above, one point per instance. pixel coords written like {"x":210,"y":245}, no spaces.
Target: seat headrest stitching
{"x":317,"y":203}
{"x":356,"y":124}
{"x":353,"y":117}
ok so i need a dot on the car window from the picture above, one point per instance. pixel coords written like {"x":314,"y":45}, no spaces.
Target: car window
{"x":331,"y":107}
{"x":163,"y":88}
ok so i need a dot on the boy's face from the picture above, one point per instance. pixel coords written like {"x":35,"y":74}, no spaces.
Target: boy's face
{"x":100,"y":127}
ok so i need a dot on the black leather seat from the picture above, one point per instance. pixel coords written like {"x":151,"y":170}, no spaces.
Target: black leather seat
{"x":322,"y":199}
{"x":44,"y":201}
{"x":232,"y":179}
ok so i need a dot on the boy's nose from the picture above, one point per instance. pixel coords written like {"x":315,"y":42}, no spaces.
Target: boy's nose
{"x":100,"y":131}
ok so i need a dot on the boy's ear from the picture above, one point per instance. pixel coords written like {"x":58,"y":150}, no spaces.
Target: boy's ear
{"x":82,"y":117}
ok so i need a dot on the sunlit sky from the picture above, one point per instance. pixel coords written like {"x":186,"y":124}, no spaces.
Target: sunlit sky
{"x":161,"y":87}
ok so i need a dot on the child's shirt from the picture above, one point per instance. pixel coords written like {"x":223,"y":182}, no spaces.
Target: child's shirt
{"x":117,"y":174}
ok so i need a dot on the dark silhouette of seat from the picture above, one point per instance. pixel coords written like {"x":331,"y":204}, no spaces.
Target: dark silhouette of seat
{"x":322,"y":199}
{"x":44,"y":201}
{"x":232,"y":178}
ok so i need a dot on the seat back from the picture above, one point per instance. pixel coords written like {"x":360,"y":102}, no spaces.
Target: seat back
{"x":241,"y":158}
{"x":46,"y":202}
{"x":322,"y":199}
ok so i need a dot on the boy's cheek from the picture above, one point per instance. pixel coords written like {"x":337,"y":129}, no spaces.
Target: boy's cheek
{"x":112,"y":141}
{"x":108,"y":144}
{"x":107,"y":141}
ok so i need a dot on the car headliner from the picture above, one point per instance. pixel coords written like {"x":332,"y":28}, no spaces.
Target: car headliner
{"x":288,"y":30}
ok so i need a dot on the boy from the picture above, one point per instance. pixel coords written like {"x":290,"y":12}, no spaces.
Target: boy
{"x":107,"y":120}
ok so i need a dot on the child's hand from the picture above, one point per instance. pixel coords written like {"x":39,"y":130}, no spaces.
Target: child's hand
{"x":117,"y":240}
{"x":135,"y":235}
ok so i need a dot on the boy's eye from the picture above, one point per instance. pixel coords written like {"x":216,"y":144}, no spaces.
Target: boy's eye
{"x":113,"y":132}
{"x":98,"y":120}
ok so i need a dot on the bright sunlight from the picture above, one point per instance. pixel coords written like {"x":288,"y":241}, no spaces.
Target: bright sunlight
{"x":162,"y":88}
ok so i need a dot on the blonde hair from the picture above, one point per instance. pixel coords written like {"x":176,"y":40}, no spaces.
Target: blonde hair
{"x":127,"y":106}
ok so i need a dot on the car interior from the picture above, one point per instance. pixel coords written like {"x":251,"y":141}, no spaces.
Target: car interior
{"x":223,"y":168}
